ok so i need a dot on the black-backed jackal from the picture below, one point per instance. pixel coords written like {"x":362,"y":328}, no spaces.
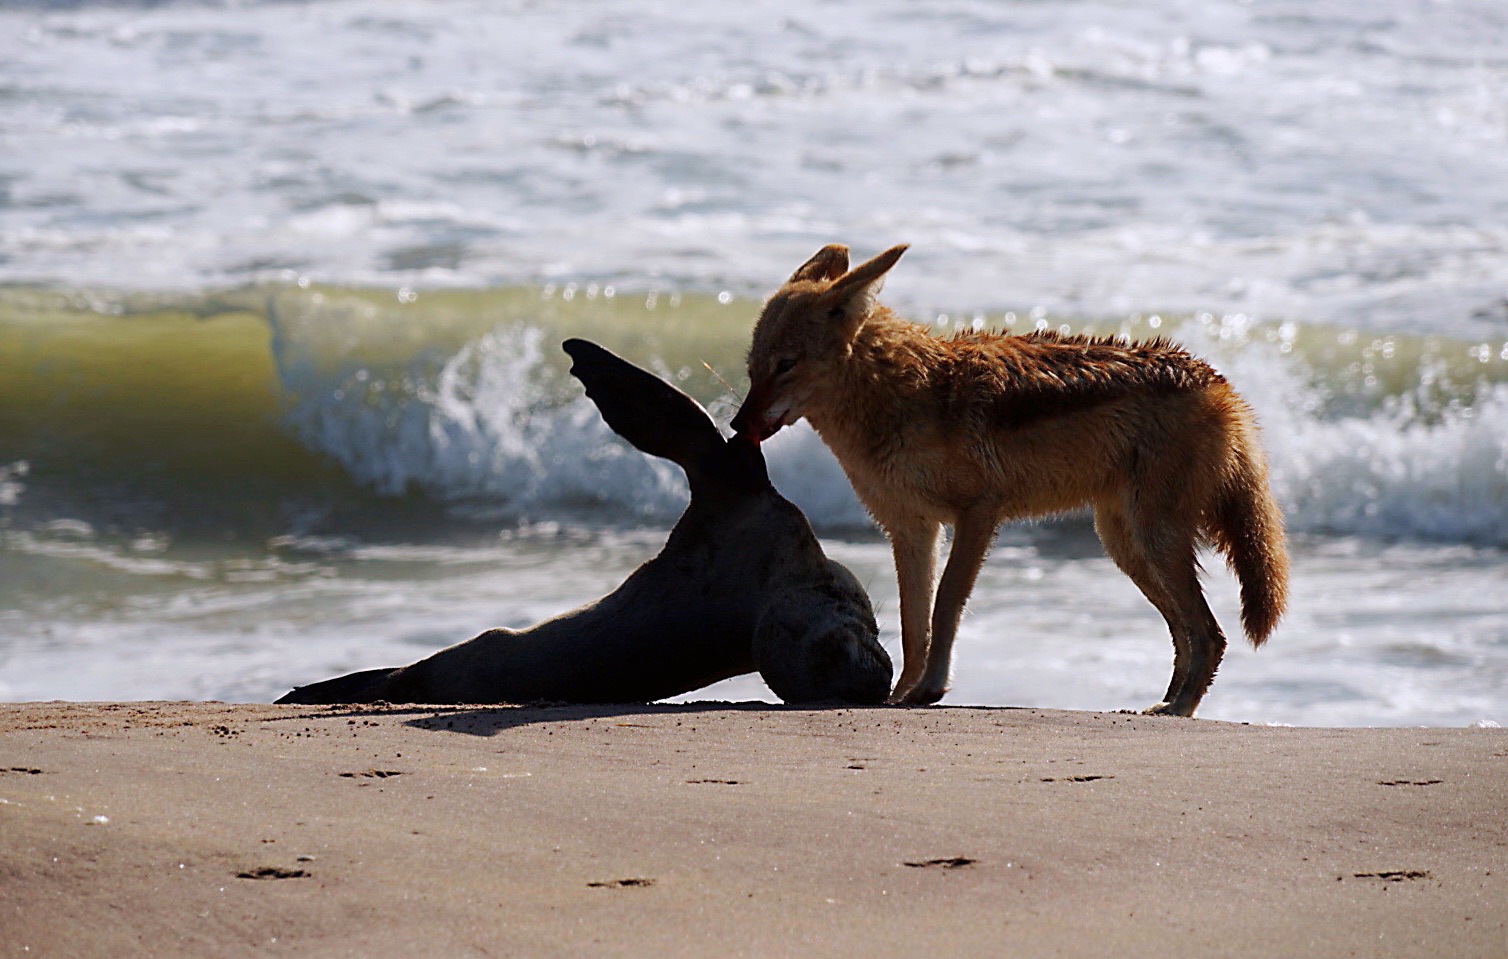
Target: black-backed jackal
{"x":978,"y":428}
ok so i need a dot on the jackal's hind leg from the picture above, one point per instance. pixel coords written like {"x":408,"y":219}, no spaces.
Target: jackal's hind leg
{"x":1130,"y":554}
{"x":1206,"y":643}
{"x":1203,"y":644}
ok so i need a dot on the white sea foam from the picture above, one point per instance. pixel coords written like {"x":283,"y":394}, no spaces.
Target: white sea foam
{"x":1395,"y":635}
{"x":484,"y":426}
{"x":1091,"y":158}
{"x":1402,"y":466}
{"x":12,"y":482}
{"x":481,"y":428}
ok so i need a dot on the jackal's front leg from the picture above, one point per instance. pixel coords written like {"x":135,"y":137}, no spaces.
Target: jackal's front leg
{"x":972,"y":536}
{"x":915,"y":548}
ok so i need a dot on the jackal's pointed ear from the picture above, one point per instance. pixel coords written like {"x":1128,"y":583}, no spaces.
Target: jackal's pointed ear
{"x":853,"y":295}
{"x":828,"y":263}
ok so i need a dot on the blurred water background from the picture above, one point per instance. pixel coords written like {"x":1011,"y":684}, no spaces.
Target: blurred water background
{"x":282,"y":287}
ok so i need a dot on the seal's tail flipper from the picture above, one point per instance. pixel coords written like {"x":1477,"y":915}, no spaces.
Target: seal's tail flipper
{"x":651,"y":414}
{"x":367,"y":686}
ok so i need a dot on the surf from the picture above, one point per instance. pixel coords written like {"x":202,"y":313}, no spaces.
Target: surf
{"x":243,"y":410}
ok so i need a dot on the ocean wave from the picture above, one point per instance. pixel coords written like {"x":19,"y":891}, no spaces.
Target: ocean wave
{"x":274,"y":403}
{"x":1376,"y":436}
{"x":484,"y":428}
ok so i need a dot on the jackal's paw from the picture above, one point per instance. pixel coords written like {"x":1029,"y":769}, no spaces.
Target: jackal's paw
{"x":905,"y":696}
{"x":1164,"y":709}
{"x":921,"y":695}
{"x":903,"y":687}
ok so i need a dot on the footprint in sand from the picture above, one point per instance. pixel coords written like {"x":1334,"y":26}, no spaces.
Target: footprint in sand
{"x":272,"y":872}
{"x":955,"y":862}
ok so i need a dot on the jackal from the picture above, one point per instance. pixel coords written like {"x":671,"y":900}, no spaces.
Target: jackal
{"x":978,"y":428}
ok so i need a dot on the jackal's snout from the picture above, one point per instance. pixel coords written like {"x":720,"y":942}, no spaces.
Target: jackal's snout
{"x":741,"y":425}
{"x":753,"y":420}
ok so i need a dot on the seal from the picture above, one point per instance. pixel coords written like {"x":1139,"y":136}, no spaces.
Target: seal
{"x":741,"y":584}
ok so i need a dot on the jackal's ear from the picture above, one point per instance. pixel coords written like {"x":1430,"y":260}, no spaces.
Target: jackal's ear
{"x":853,"y":295}
{"x":828,"y":263}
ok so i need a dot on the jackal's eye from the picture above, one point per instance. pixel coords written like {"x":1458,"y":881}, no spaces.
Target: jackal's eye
{"x":785,"y":366}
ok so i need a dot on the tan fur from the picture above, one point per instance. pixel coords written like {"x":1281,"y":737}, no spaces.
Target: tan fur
{"x":980,"y":428}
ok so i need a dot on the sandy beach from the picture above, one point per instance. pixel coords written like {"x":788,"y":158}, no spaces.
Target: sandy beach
{"x":196,"y":829}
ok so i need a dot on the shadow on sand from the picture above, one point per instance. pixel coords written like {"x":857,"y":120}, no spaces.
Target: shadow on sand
{"x":491,"y":720}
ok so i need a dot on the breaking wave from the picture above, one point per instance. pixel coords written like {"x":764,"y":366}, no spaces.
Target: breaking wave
{"x":265,"y":406}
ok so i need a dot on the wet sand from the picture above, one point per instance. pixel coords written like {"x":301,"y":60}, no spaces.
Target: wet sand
{"x":182,"y":829}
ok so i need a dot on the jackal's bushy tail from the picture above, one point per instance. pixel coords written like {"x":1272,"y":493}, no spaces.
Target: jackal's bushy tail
{"x":1246,"y":524}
